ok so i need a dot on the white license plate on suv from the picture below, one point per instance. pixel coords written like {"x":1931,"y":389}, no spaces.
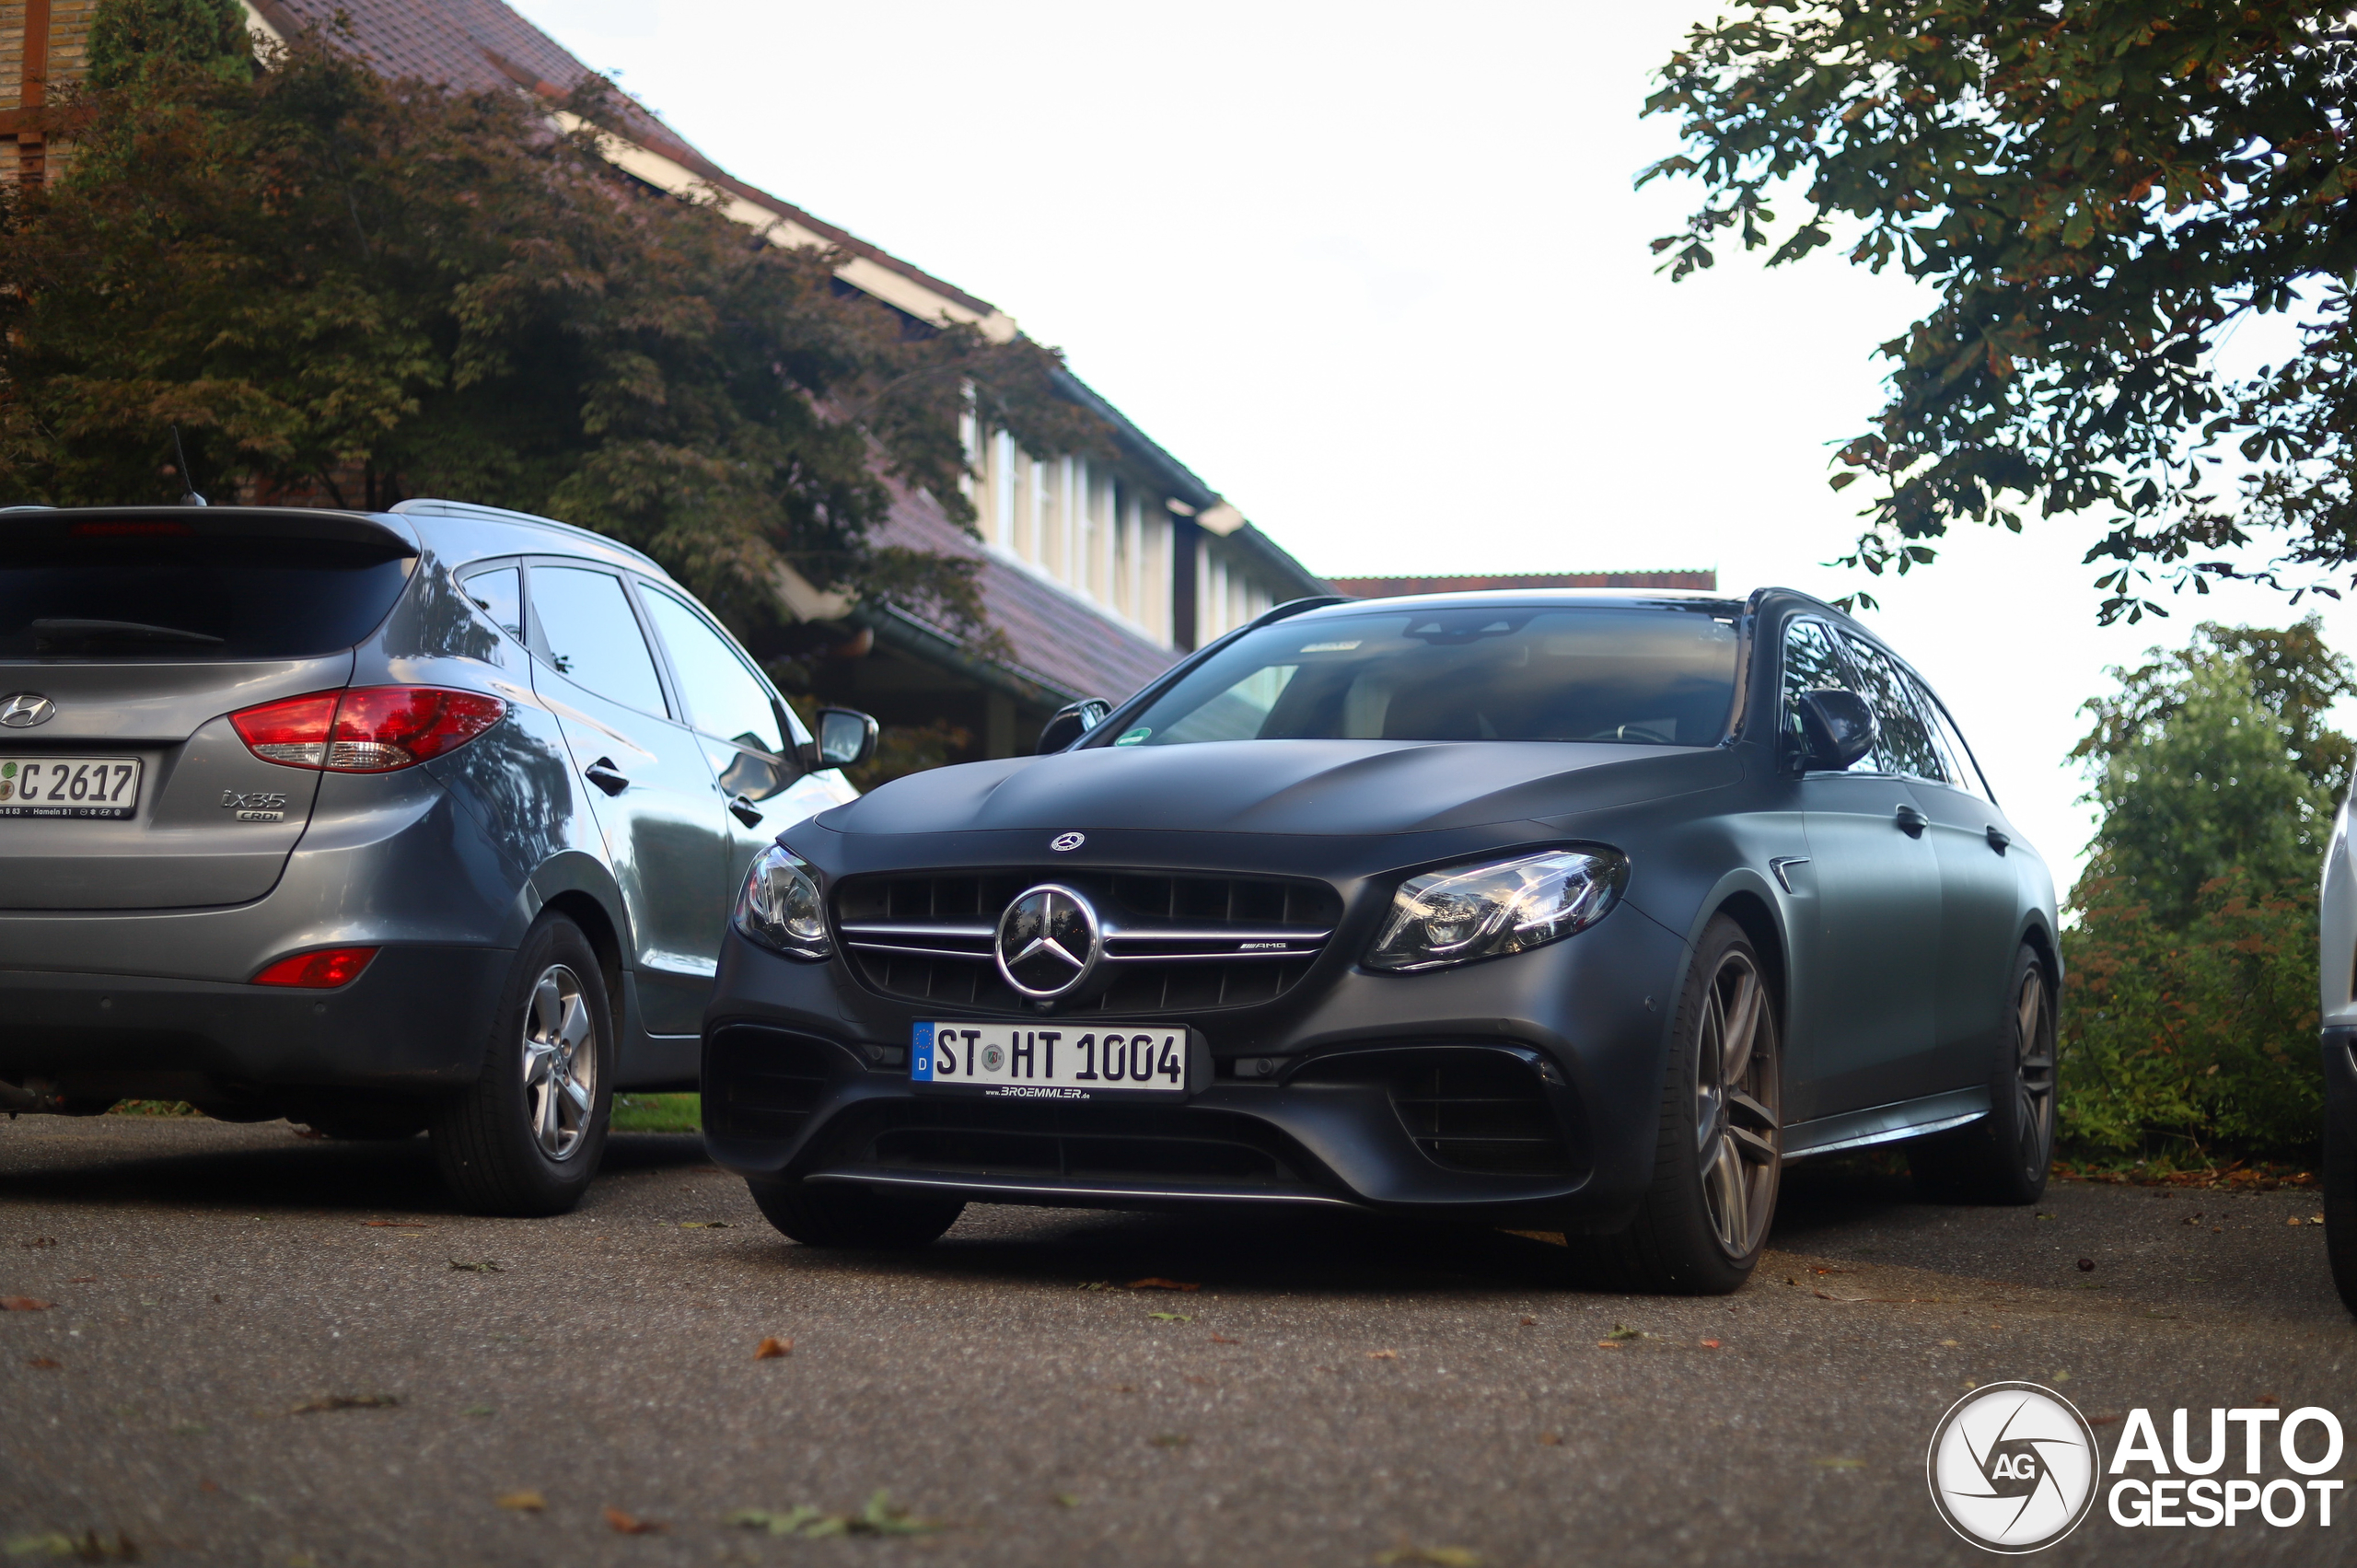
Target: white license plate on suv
{"x":69,"y":786}
{"x":1025,"y":1061}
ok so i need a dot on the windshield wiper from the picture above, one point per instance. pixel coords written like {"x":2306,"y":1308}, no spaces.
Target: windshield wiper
{"x":56,"y":632}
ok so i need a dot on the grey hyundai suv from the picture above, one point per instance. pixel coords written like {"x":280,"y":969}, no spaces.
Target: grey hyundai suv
{"x":428,"y":819}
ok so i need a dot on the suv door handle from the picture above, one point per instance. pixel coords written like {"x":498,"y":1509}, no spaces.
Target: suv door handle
{"x":1911,"y":821}
{"x":745,"y":811}
{"x":602,"y":773}
{"x":1999,"y":840}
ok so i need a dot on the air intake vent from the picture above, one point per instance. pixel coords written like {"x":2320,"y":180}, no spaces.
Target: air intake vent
{"x":1480,"y":1111}
{"x":1172,"y":942}
{"x":765,"y":1083}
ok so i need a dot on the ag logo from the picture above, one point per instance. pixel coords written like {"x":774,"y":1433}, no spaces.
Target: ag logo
{"x":2012,"y":1467}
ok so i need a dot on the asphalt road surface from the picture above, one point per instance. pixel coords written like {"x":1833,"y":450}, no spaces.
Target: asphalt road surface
{"x":240,"y":1363}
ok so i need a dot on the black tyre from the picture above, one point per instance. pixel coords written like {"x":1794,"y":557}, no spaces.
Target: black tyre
{"x":2004,"y":1157}
{"x":2341,"y":1202}
{"x":833,"y":1213}
{"x":1719,"y":1160}
{"x":527,"y":1138}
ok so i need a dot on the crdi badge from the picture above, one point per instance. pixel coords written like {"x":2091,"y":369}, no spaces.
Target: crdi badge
{"x":2012,"y":1467}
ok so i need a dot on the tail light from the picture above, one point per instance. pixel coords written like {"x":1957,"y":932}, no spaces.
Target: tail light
{"x":368,"y":730}
{"x":323,"y":970}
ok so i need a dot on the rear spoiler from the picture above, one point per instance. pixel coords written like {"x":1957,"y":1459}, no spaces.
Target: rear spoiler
{"x":22,"y":525}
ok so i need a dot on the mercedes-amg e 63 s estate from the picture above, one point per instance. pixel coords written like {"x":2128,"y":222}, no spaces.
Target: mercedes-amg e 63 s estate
{"x":1569,"y":910}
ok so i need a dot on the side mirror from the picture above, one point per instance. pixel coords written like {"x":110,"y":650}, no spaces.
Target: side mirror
{"x":1071,"y":722}
{"x":1839,"y":727}
{"x":846,"y":738}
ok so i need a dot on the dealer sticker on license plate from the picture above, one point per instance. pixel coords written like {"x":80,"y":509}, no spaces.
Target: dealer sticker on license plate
{"x":1023,"y":1061}
{"x":69,"y":786}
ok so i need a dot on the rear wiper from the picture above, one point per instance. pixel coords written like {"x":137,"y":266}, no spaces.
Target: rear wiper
{"x":55,"y":632}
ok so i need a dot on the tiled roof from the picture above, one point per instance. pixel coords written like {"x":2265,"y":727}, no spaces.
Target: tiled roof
{"x":1056,"y":642}
{"x":477,"y":44}
{"x":1397,"y":587}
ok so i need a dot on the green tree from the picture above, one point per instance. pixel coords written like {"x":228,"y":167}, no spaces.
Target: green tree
{"x":342,"y":285}
{"x":2216,"y":757}
{"x":2097,"y":192}
{"x":130,"y":38}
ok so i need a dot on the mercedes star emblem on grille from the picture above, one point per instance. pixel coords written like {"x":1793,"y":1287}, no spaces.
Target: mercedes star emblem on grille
{"x":1048,"y":942}
{"x":1063,"y":841}
{"x":25,"y":709}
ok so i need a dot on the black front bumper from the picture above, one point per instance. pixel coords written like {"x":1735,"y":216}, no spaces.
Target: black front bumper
{"x":1510,"y":1089}
{"x":417,"y":1019}
{"x":2340,"y":1083}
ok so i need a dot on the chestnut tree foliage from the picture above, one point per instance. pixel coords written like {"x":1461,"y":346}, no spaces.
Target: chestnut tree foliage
{"x":345,"y":288}
{"x":2097,"y":191}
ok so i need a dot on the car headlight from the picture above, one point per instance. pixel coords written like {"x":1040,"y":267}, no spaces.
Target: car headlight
{"x":781,"y":907}
{"x":1498,"y":907}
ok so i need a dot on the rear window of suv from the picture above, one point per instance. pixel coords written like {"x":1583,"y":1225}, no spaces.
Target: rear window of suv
{"x":144,"y":590}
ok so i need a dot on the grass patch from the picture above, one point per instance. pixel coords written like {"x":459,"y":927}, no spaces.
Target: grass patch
{"x":153,"y":1108}
{"x":658,"y":1113}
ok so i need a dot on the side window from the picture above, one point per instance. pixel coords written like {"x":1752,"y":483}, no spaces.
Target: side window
{"x":1963,"y":772}
{"x":1812,"y":663}
{"x":723,"y":697}
{"x":1905,"y":746}
{"x":499,"y":592}
{"x":592,"y":635}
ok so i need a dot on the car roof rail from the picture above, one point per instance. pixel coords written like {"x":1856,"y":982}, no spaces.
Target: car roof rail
{"x":469,"y":511}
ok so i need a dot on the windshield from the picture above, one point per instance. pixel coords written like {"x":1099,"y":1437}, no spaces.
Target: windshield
{"x":1655,"y":677}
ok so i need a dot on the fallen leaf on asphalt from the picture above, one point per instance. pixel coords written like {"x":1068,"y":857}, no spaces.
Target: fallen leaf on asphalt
{"x":1530,"y":1322}
{"x":478,"y":1410}
{"x":2086,"y":1265}
{"x":772,"y":1348}
{"x":1839,"y":1464}
{"x":522,"y":1501}
{"x":486,"y":1267}
{"x":1831,"y":1270}
{"x":1096,"y":1284}
{"x":40,"y":1241}
{"x":2113,"y":1419}
{"x":630,"y":1524}
{"x":87,"y":1547}
{"x":208,"y":1486}
{"x":703,"y":1224}
{"x":1065,"y":1500}
{"x":1155,"y":1282}
{"x":345,"y":1402}
{"x":2294,"y":1219}
{"x":1383,"y":1355}
{"x":1551,"y":1439}
{"x":1224,"y":1339}
{"x":396,"y":1224}
{"x":1953,"y":1344}
{"x":1171,"y":1317}
{"x":2062,"y":1376}
{"x":1622,"y":1331}
{"x":1195,"y":1377}
{"x":1607,"y":1344}
{"x":1171,"y":1440}
{"x":43,"y":1361}
{"x":1433,"y":1556}
{"x":1710,"y":1344}
{"x":2045,"y":1216}
{"x":2267,"y":1399}
{"x":23,"y":1304}
{"x":879,"y":1515}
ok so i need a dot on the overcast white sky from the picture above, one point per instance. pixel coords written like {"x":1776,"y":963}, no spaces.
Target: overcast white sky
{"x":1376,"y":272}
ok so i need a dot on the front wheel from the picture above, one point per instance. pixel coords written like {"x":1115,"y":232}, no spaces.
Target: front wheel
{"x":2004,"y":1157}
{"x":1719,"y":1158}
{"x":526,"y":1138}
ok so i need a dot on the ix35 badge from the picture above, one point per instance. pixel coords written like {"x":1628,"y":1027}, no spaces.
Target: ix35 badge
{"x":261,"y":805}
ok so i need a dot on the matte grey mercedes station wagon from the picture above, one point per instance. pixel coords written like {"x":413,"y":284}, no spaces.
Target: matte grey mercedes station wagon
{"x":1561,"y":910}
{"x":380,"y":821}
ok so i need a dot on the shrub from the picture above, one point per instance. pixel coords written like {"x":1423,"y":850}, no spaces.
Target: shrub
{"x":2198,"y":1041}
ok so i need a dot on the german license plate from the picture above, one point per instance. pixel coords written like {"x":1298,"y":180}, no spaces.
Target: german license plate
{"x":69,"y":786}
{"x":1025,"y":1061}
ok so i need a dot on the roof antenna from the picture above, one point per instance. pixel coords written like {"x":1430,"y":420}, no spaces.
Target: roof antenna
{"x":188,"y":497}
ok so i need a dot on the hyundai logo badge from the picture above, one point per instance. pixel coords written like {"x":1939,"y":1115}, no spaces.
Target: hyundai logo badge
{"x":26,"y":709}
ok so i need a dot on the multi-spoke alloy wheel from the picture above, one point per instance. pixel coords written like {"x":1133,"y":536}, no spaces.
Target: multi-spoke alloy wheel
{"x":525,"y":1138}
{"x":2034,"y":1072}
{"x":1736,"y":1130}
{"x":560,"y":1063}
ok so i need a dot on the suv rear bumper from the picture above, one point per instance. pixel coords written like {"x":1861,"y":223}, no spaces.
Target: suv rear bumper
{"x":417,"y":1019}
